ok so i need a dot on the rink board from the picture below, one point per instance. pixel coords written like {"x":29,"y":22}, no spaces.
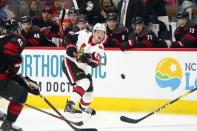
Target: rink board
{"x":141,"y":90}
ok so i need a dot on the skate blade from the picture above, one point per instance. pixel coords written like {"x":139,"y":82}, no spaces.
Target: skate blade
{"x":73,"y":117}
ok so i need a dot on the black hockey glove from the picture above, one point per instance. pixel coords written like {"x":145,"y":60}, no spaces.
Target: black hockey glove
{"x":33,"y":86}
{"x":70,"y":51}
{"x":84,"y":58}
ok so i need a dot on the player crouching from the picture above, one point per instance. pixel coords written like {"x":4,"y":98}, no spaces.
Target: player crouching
{"x":84,"y":51}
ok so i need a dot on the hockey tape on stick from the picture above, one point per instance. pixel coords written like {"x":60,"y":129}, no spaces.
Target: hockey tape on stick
{"x":66,"y":120}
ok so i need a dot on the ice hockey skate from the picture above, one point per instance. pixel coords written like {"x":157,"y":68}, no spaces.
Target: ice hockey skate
{"x":70,"y":107}
{"x":88,"y":110}
{"x":8,"y":126}
{"x":72,"y":112}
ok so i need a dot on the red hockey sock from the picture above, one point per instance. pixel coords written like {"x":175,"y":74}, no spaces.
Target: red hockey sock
{"x":13,"y":111}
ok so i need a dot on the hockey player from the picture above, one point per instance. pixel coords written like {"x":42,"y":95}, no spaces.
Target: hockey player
{"x":186,"y":33}
{"x":142,"y":37}
{"x":117,"y":33}
{"x":33,"y":36}
{"x":13,"y":87}
{"x":84,"y":50}
{"x":46,"y":23}
{"x":82,"y":22}
{"x":2,"y":116}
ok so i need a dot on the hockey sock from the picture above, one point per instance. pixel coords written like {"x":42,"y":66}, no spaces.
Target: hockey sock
{"x":13,"y":111}
{"x":79,"y":89}
{"x":86,"y":99}
{"x":78,"y":92}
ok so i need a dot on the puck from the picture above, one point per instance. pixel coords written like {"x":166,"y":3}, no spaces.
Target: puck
{"x":122,"y":76}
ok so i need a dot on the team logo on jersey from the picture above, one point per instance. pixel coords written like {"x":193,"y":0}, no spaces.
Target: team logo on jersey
{"x":168,"y":73}
{"x":123,"y":37}
{"x":81,"y":50}
{"x":20,"y":42}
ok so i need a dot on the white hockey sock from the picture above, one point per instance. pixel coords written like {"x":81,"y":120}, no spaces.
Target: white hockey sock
{"x":86,"y":99}
{"x":79,"y":89}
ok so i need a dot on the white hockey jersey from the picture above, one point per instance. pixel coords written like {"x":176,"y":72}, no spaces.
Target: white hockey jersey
{"x":84,"y":45}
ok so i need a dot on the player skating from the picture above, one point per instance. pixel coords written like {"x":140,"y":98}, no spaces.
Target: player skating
{"x":84,"y":51}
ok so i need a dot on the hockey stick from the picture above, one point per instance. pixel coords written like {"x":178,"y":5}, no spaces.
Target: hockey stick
{"x":63,"y":118}
{"x":134,"y":121}
{"x":48,"y":113}
{"x":75,"y":4}
{"x":3,"y":115}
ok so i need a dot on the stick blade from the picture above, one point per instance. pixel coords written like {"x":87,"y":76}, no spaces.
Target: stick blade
{"x":80,"y":123}
{"x":88,"y":129}
{"x":128,"y":120}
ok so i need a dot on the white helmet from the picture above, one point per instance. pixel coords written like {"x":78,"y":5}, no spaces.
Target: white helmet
{"x":100,"y":26}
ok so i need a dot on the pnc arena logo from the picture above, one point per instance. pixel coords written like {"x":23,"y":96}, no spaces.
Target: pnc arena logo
{"x":168,"y":73}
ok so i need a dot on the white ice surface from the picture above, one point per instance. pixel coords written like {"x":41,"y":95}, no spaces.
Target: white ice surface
{"x":31,"y":120}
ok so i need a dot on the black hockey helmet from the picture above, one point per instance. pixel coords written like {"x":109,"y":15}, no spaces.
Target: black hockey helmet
{"x":8,"y":26}
{"x":82,"y":18}
{"x":25,"y":19}
{"x":182,"y":14}
{"x":112,"y":16}
{"x":137,"y":20}
{"x":47,"y":9}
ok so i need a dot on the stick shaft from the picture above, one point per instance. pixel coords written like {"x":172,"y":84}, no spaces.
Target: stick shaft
{"x":130,"y":120}
{"x":35,"y":108}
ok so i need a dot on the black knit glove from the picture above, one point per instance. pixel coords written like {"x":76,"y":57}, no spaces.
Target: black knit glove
{"x":84,"y":58}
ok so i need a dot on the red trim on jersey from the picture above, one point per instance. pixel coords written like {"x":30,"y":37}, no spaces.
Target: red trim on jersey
{"x":79,"y":90}
{"x":84,"y":103}
{"x":33,"y":41}
{"x":147,"y":43}
{"x":11,"y":49}
{"x":15,"y":109}
{"x":189,"y":37}
{"x":97,"y":59}
{"x":177,"y":33}
{"x":90,"y":41}
{"x":3,"y":77}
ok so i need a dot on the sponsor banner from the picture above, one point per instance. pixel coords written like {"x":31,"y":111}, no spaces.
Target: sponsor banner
{"x":148,"y":74}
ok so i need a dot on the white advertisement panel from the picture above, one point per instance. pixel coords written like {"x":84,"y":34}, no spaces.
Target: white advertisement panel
{"x":148,"y":74}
